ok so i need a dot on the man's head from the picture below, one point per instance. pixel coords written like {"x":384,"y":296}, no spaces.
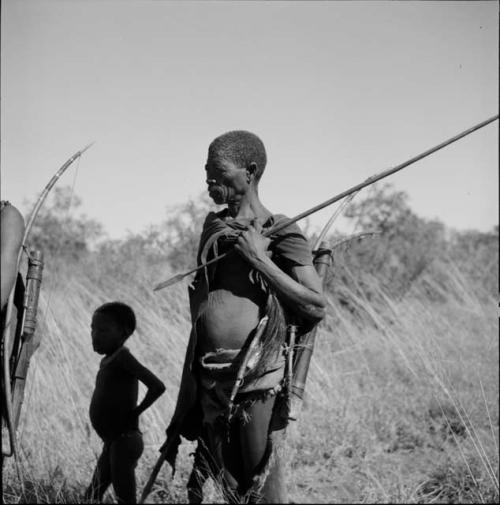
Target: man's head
{"x":242,"y":148}
{"x":235,"y":159}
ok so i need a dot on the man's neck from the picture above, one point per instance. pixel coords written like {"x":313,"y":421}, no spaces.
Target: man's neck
{"x":248,"y":207}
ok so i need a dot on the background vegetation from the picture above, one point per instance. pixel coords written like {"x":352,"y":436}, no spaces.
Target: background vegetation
{"x":402,"y":396}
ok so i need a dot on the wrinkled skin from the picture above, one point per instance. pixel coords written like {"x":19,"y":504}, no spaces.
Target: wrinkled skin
{"x":235,"y":305}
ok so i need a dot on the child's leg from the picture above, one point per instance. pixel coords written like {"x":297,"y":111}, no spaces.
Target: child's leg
{"x":101,"y":478}
{"x":125,"y":451}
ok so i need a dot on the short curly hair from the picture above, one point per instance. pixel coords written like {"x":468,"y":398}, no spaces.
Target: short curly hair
{"x":242,"y":148}
{"x":121,"y":313}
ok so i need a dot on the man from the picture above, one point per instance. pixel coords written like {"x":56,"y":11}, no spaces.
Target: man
{"x":12,"y":230}
{"x":240,"y":308}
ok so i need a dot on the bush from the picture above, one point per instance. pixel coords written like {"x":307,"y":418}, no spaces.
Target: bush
{"x":56,"y":231}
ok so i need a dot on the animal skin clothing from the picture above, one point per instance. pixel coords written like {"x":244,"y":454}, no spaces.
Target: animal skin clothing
{"x":202,"y":402}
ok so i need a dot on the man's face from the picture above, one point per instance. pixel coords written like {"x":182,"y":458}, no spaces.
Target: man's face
{"x":226,"y":181}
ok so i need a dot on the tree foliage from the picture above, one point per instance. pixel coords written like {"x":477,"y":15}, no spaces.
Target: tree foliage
{"x":58,"y":231}
{"x":406,"y":244}
{"x":476,"y":254}
{"x":405,"y":247}
{"x":182,"y":231}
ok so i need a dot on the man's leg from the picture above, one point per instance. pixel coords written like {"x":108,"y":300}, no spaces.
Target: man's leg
{"x":256,"y":445}
{"x":199,"y":473}
{"x":101,"y":479}
{"x":125,"y":451}
{"x":224,"y":459}
{"x":222,"y":452}
{"x":274,"y":490}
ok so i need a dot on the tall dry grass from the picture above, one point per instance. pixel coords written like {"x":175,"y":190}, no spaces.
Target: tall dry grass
{"x":401,"y":405}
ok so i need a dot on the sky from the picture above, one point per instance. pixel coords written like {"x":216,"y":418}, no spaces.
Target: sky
{"x":337,"y":91}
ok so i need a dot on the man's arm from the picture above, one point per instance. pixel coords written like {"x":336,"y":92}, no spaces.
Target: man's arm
{"x":12,"y":230}
{"x":302,"y":291}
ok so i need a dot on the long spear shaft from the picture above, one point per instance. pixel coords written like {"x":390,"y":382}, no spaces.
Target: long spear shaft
{"x":367,"y":182}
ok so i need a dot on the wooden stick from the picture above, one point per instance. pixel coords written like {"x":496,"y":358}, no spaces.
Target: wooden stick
{"x":336,"y":198}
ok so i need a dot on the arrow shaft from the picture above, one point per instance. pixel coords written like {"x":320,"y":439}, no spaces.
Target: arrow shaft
{"x":371,"y":180}
{"x":382,"y":175}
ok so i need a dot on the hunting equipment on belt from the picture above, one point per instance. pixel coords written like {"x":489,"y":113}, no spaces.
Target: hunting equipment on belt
{"x":354,"y":189}
{"x":254,"y":342}
{"x":28,"y":341}
{"x":17,"y":351}
{"x":323,"y":260}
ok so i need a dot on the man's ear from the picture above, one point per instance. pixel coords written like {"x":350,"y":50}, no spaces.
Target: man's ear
{"x":251,"y":171}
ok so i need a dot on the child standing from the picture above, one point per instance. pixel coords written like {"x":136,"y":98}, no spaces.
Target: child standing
{"x":114,"y":412}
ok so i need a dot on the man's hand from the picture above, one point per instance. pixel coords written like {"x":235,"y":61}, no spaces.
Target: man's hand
{"x":252,"y":245}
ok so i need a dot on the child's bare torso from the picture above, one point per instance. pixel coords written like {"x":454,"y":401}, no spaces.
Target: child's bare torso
{"x":115,"y":395}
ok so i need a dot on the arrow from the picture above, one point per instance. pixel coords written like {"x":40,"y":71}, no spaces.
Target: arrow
{"x":354,"y":189}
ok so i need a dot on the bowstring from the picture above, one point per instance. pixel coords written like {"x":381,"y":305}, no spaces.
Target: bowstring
{"x":49,"y":297}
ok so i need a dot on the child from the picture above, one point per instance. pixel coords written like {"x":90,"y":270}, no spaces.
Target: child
{"x":114,"y":412}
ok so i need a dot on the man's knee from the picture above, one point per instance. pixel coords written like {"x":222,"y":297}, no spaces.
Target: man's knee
{"x":274,"y":489}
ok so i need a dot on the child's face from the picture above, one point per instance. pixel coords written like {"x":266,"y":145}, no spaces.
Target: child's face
{"x":107,"y":335}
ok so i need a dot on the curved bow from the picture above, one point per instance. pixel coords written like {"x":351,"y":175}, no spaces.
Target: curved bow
{"x":46,"y":190}
{"x":10,"y":302}
{"x":334,"y":216}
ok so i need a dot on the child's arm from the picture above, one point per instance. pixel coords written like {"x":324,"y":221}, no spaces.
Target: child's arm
{"x":155,"y":386}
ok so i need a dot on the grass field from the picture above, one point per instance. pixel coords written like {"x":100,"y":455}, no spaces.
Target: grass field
{"x":401,"y":406}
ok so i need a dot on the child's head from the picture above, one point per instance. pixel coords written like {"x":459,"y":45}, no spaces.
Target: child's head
{"x":112,"y":324}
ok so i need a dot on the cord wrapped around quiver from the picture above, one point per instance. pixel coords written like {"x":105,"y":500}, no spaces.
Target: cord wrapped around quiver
{"x":26,"y":341}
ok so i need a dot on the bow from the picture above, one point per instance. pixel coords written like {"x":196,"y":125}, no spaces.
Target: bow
{"x":336,"y":198}
{"x":46,"y":191}
{"x":10,"y":302}
{"x":301,"y":357}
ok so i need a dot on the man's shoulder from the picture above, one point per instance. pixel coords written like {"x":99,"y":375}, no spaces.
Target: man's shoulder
{"x":279,"y":219}
{"x":290,"y":243}
{"x":221,"y":214}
